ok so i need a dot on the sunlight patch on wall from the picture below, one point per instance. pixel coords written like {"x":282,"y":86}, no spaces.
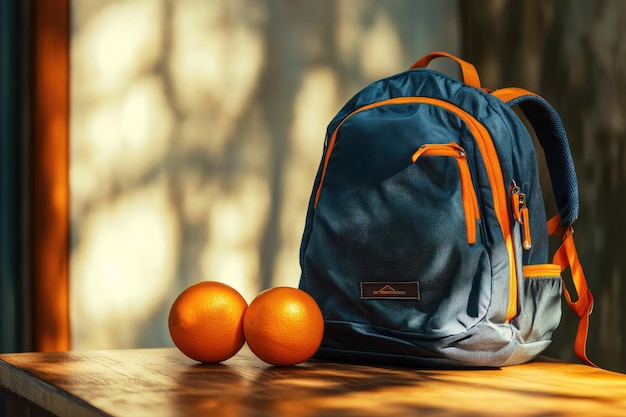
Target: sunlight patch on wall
{"x":215,"y":64}
{"x":146,"y":123}
{"x":121,"y":120}
{"x":126,"y":238}
{"x":319,"y":91}
{"x":122,"y":40}
{"x":380,"y":50}
{"x":124,"y":137}
{"x":126,"y":268}
{"x":235,"y":225}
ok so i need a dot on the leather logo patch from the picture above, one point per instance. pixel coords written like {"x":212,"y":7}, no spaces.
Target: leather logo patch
{"x":390,"y":290}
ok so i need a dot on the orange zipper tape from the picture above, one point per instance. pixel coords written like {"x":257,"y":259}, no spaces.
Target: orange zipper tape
{"x":468,"y":194}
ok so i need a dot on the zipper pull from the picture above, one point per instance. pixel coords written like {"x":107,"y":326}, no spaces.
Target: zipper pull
{"x":520,"y":213}
{"x":526,"y":243}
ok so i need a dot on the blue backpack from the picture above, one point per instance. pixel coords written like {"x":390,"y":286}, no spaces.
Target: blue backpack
{"x":426,"y":237}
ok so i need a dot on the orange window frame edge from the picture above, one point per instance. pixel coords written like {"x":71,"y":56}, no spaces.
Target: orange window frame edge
{"x":49,"y":175}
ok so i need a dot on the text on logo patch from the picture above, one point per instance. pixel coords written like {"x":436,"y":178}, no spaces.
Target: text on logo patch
{"x":390,"y":290}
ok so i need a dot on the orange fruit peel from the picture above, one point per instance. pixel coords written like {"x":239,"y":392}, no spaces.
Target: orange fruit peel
{"x":283,"y":326}
{"x":206,"y":322}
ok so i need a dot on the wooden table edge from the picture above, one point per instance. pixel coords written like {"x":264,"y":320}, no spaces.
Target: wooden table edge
{"x":47,"y":397}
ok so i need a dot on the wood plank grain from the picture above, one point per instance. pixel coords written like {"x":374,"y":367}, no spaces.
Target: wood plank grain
{"x":163,"y":382}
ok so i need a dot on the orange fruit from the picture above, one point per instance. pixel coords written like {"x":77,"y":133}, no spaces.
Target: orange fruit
{"x":283,"y":326}
{"x":206,"y":321}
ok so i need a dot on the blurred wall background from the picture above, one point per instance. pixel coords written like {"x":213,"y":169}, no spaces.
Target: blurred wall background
{"x":196,"y":131}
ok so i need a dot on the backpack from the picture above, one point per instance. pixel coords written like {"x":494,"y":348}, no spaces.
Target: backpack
{"x":426,"y":237}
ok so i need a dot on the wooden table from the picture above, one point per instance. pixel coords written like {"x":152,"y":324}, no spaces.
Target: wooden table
{"x":163,"y":382}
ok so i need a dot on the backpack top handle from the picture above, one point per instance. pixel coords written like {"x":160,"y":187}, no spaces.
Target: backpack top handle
{"x":470,"y":75}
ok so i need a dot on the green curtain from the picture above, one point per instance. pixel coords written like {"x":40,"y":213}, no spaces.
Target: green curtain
{"x":13,"y":135}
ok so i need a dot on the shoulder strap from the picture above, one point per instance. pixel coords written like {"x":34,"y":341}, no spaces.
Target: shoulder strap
{"x":567,"y":256}
{"x":551,"y":134}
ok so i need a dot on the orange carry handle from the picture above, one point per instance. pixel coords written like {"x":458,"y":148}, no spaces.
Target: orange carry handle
{"x":470,"y":75}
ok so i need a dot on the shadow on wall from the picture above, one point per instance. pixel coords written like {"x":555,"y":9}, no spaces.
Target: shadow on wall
{"x":196,"y":131}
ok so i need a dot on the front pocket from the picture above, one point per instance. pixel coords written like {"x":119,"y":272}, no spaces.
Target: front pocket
{"x":468,"y":194}
{"x":406,"y":228}
{"x":540,"y":303}
{"x":488,"y":153}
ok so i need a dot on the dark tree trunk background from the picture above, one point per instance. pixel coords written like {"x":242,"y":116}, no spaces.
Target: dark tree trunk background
{"x":572,"y":53}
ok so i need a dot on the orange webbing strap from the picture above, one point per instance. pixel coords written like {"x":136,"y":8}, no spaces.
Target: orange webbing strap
{"x":470,"y":75}
{"x":567,"y":256}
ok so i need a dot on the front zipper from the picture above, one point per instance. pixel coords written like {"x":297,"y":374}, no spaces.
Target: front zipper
{"x":492,"y":165}
{"x":468,"y":194}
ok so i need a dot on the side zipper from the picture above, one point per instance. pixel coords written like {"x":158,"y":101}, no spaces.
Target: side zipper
{"x":468,"y":194}
{"x":520,"y":214}
{"x":492,"y":164}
